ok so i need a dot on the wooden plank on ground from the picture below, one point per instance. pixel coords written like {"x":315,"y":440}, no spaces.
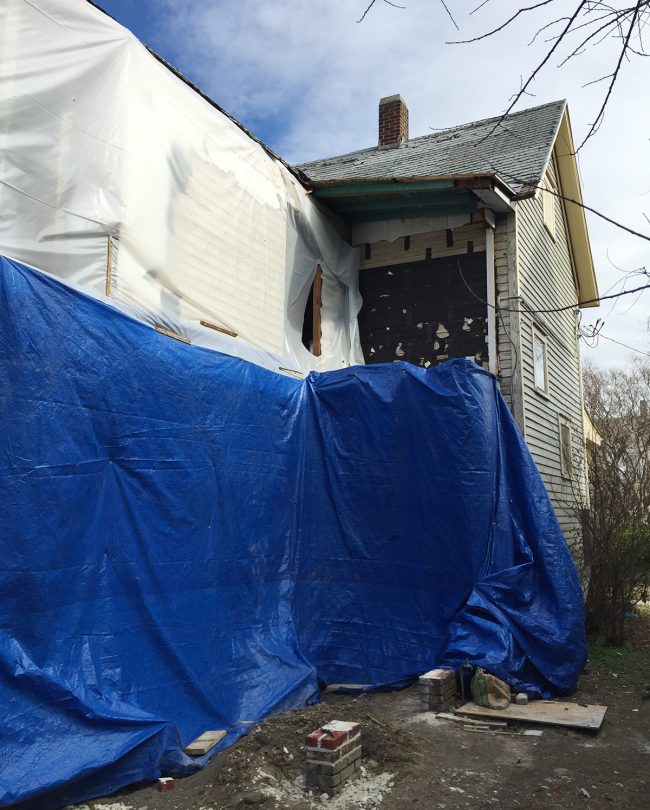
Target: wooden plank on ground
{"x":488,"y":723}
{"x":201,"y":745}
{"x":353,"y":687}
{"x":547,"y":712}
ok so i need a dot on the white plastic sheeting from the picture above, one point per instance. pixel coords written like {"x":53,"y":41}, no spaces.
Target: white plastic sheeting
{"x":99,"y":139}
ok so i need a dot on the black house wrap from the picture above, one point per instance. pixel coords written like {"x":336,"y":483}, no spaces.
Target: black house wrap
{"x":423,"y":312}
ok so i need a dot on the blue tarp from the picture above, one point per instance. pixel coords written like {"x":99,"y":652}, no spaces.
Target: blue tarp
{"x":191,"y":542}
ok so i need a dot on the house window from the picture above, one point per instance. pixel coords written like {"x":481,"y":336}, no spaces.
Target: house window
{"x":540,"y":363}
{"x":566,"y":455}
{"x":548,"y":201}
{"x":311,"y":325}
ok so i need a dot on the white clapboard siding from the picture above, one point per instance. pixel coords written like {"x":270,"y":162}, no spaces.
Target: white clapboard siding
{"x":546,"y":280}
{"x":504,"y":329}
{"x":385,"y":253}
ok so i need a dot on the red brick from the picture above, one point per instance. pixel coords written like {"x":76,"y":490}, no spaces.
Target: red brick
{"x":333,"y":739}
{"x":325,"y":755}
{"x":313,"y":740}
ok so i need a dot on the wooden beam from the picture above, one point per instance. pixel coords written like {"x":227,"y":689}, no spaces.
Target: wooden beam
{"x":297,"y":374}
{"x":491,"y":302}
{"x":109,"y":264}
{"x":398,"y":201}
{"x":408,"y":213}
{"x":317,"y":301}
{"x":170,"y":334}
{"x":361,"y":189}
{"x":218,"y":328}
{"x":201,"y":745}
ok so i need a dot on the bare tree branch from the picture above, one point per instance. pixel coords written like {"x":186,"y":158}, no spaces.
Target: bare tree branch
{"x":372,"y":3}
{"x":532,"y":76}
{"x":503,"y":25}
{"x":450,"y":15}
{"x":601,"y":113}
{"x":591,"y":23}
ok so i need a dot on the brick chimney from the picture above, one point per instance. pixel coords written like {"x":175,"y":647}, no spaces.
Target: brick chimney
{"x":393,"y":121}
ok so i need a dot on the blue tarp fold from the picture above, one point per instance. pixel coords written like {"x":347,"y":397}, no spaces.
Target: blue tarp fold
{"x":190,"y":542}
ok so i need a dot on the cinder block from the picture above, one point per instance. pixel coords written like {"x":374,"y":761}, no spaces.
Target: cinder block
{"x":347,"y":772}
{"x":438,"y":675}
{"x":442,"y":707}
{"x":448,"y":694}
{"x":331,"y":768}
{"x":441,"y":688}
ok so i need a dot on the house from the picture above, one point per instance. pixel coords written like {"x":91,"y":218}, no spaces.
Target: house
{"x":473,"y":244}
{"x":147,"y":195}
{"x":191,"y":542}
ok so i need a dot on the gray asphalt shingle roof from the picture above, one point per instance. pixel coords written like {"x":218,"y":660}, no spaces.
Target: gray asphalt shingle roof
{"x":517,"y":151}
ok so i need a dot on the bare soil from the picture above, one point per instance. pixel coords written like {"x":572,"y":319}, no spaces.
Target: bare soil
{"x":417,"y":761}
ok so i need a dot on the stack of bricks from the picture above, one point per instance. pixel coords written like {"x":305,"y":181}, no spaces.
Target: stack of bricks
{"x":333,"y":756}
{"x":437,"y":690}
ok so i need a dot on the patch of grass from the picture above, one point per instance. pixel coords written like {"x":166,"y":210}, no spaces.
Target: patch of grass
{"x":633,"y":657}
{"x":629,"y":660}
{"x":617,"y":658}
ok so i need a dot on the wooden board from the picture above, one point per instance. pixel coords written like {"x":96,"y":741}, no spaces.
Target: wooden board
{"x":164,"y":331}
{"x":547,"y":712}
{"x":201,"y":745}
{"x":352,"y":687}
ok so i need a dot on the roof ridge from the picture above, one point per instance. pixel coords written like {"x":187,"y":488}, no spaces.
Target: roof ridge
{"x":482,"y":121}
{"x":437,"y":133}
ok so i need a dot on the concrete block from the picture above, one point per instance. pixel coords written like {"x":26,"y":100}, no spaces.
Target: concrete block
{"x":438,"y":676}
{"x":332,"y":768}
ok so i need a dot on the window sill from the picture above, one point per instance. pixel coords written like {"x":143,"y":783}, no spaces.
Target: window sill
{"x":542,"y":393}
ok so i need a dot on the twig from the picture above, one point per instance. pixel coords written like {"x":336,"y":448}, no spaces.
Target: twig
{"x":374,"y":720}
{"x":596,"y":124}
{"x":372,"y":3}
{"x":502,"y":26}
{"x":450,"y":15}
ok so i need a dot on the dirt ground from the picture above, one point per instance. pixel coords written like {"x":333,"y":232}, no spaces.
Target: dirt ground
{"x":413,"y":760}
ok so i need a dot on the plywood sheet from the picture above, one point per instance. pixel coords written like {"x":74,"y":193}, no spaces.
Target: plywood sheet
{"x":547,"y":712}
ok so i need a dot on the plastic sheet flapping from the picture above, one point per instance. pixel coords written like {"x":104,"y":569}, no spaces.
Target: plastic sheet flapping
{"x":117,"y":175}
{"x":189,"y":541}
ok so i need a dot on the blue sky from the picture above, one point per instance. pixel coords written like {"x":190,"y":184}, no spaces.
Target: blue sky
{"x":306,"y":78}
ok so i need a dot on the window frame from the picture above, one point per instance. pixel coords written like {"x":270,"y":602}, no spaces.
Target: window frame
{"x":566,"y":470}
{"x":538,"y":333}
{"x":314,"y":304}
